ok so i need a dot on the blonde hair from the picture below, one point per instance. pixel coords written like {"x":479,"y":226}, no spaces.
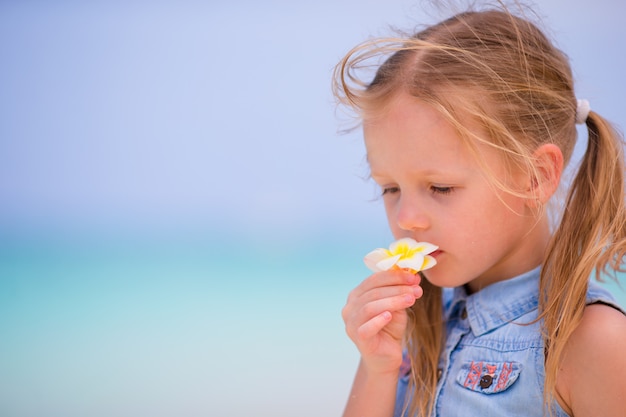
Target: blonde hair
{"x":501,"y":72}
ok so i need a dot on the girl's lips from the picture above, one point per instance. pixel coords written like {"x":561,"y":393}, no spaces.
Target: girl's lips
{"x":436,"y":253}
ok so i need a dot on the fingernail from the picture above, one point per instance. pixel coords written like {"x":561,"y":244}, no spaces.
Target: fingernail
{"x":417,"y":291}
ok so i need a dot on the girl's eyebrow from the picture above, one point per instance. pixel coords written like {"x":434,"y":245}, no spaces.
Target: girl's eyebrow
{"x":429,"y":172}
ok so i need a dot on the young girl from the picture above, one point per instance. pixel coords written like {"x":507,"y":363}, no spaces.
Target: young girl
{"x":468,"y":125}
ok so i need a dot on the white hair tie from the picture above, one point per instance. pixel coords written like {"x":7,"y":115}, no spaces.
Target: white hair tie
{"x":582,"y":111}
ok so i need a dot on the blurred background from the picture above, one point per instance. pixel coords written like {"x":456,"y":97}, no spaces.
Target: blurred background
{"x":180,"y":220}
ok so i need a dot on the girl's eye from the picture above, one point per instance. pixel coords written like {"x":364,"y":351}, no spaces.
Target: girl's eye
{"x":391,"y":190}
{"x":441,"y":190}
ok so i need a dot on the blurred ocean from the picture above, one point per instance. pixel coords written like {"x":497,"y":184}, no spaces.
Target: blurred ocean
{"x":176,"y":329}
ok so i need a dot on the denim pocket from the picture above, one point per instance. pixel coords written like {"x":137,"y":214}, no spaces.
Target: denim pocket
{"x":488,"y":377}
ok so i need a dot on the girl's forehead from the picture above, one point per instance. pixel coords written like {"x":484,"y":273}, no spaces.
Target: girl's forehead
{"x":412,"y":136}
{"x":408,"y":122}
{"x":419,"y":154}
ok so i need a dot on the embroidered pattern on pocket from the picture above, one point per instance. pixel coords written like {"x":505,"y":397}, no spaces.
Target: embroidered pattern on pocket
{"x":488,"y":377}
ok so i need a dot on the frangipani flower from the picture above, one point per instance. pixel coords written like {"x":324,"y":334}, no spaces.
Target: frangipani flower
{"x":405,"y":253}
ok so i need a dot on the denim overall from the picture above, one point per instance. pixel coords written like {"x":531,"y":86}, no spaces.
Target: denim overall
{"x":491,"y":364}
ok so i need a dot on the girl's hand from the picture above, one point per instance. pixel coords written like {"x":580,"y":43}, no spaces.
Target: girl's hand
{"x":375,"y":317}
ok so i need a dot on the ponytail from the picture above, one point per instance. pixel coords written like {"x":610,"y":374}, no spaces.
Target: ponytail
{"x":591,"y":238}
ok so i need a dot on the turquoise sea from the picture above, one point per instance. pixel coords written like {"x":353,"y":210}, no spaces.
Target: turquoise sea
{"x":176,"y":329}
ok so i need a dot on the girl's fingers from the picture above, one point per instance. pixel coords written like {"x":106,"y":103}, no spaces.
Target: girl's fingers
{"x":372,"y":327}
{"x":390,"y":298}
{"x":391,"y":304}
{"x":385,"y":279}
{"x":374,"y":312}
{"x":372,"y":305}
{"x":379,"y":293}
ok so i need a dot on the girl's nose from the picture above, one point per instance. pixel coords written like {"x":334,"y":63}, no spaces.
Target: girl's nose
{"x":411,"y":215}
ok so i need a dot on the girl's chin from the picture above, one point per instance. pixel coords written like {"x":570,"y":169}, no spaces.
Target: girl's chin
{"x":439,"y":278}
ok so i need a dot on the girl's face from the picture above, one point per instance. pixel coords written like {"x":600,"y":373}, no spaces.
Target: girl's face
{"x":435,"y":191}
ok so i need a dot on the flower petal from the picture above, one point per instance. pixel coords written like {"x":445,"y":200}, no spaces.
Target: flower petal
{"x":400,"y":244}
{"x":406,"y":253}
{"x":429,"y":262}
{"x":426,"y":248}
{"x":415,"y":262}
{"x":386,"y":264}
{"x":374,"y":257}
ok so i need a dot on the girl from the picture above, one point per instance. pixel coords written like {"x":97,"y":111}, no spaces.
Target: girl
{"x":468,"y":125}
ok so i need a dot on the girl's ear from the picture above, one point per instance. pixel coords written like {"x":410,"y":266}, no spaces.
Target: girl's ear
{"x":544,"y":181}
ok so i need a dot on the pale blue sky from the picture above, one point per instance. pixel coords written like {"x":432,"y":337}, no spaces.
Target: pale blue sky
{"x":181,"y":116}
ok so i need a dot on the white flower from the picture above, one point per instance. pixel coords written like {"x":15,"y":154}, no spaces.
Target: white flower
{"x":405,"y":253}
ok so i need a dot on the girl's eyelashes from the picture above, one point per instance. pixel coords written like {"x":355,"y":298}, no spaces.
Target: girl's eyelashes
{"x":433,"y":189}
{"x":390,"y":190}
{"x":441,"y":190}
